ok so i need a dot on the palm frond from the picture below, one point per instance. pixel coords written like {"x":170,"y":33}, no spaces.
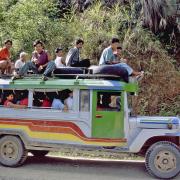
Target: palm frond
{"x":155,"y":13}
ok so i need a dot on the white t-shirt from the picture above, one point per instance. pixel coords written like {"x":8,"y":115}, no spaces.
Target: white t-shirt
{"x":58,"y":62}
{"x":19,"y":64}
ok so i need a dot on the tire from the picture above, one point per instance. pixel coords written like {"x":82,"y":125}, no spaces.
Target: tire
{"x":163,"y":160}
{"x":38,"y":153}
{"x":12,"y":151}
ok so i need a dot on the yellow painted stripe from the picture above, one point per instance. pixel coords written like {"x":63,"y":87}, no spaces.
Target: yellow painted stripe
{"x":58,"y":136}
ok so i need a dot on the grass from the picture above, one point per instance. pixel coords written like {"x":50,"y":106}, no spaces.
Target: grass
{"x":76,"y":153}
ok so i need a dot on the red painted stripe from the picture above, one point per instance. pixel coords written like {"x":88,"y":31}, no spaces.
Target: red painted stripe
{"x":56,"y":127}
{"x":47,"y":123}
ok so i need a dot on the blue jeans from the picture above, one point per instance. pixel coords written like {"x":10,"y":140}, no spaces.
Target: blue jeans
{"x":31,"y":66}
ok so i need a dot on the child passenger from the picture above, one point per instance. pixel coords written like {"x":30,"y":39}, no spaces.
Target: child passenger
{"x":59,"y":61}
{"x":21,"y":61}
{"x":9,"y":102}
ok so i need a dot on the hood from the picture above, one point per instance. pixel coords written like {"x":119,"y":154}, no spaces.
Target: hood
{"x":158,"y":122}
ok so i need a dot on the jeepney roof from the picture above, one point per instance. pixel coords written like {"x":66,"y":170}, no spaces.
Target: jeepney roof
{"x":57,"y":83}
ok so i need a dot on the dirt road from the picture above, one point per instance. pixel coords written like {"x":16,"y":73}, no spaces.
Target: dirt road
{"x":53,"y":168}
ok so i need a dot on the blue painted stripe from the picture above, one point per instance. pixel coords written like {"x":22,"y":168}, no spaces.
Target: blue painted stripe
{"x":159,"y":122}
{"x":104,"y":88}
{"x":173,"y":134}
{"x":4,"y":86}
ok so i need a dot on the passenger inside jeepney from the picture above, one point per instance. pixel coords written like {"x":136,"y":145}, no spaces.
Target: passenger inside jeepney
{"x":43,"y":99}
{"x":69,"y":100}
{"x":123,"y":62}
{"x":37,"y":98}
{"x":21,"y":97}
{"x":57,"y":102}
{"x":107,"y":101}
{"x":46,"y":102}
{"x":9,"y":101}
{"x":103,"y":102}
{"x":1,"y":97}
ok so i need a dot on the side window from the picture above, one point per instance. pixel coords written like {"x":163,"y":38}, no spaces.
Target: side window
{"x":60,"y":100}
{"x":108,"y":101}
{"x":14,"y":98}
{"x":84,"y":101}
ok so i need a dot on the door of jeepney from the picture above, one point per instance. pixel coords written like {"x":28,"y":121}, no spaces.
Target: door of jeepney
{"x":108,"y":114}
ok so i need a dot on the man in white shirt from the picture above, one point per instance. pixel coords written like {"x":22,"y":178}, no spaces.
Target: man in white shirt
{"x":21,"y":61}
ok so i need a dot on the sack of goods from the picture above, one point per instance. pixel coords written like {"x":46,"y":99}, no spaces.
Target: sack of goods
{"x":111,"y":70}
{"x":68,"y":70}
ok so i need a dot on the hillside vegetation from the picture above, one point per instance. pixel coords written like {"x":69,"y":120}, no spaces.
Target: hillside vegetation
{"x":23,"y":21}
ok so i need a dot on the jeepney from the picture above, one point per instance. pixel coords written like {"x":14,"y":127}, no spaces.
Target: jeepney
{"x":40,"y":129}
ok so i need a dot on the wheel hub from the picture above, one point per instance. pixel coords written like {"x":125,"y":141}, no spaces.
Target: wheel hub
{"x":165,"y":161}
{"x":9,"y":150}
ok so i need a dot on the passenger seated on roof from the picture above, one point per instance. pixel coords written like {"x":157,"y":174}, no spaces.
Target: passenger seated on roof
{"x":123,"y":63}
{"x":40,"y":63}
{"x":131,"y":72}
{"x":69,"y":101}
{"x":59,"y":61}
{"x":107,"y":56}
{"x":9,"y":102}
{"x":73,"y":56}
{"x":5,"y":62}
{"x":21,"y":61}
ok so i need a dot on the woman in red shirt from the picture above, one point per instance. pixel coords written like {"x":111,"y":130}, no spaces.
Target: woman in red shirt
{"x":5,"y":62}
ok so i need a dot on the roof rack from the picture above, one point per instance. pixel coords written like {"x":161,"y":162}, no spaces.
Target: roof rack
{"x":69,"y":76}
{"x":87,"y":76}
{"x":4,"y":76}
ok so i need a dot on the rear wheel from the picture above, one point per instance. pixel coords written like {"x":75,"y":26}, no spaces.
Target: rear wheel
{"x":38,"y":153}
{"x":163,"y":160}
{"x":12,"y":151}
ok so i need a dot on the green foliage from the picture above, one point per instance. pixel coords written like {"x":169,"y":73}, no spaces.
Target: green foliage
{"x":28,"y":20}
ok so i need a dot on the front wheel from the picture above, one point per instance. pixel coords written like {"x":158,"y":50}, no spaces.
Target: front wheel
{"x":12,"y":151}
{"x":163,"y":160}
